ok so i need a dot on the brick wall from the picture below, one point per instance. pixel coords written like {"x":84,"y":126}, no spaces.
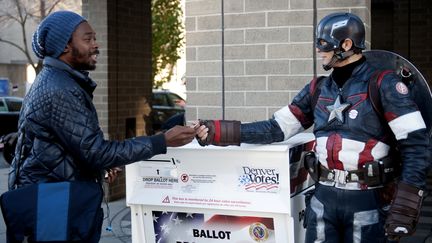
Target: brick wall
{"x":130,"y":82}
{"x":96,"y":14}
{"x":268,"y":54}
{"x":123,"y":72}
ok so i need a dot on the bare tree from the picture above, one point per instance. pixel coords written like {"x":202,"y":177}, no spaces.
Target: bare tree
{"x":21,"y":12}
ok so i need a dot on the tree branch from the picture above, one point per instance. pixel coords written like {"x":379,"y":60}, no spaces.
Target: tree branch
{"x":22,"y":50}
{"x":19,"y":10}
{"x":10,"y":16}
{"x":52,"y":7}
{"x":12,"y":44}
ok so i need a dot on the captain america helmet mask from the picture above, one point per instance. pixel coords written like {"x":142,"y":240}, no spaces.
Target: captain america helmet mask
{"x":335,"y":28}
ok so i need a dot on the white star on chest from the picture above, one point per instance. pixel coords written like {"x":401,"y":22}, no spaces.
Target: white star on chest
{"x":336,"y":110}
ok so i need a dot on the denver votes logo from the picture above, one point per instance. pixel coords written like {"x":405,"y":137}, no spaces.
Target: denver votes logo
{"x":259,"y":179}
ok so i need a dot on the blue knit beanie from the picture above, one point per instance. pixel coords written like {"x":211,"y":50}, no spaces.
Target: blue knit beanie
{"x":54,"y":33}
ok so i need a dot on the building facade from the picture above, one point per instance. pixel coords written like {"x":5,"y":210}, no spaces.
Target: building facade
{"x":268,"y":53}
{"x":268,"y":50}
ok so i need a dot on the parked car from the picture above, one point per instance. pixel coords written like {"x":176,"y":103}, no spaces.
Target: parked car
{"x":166,"y":104}
{"x":9,"y":112}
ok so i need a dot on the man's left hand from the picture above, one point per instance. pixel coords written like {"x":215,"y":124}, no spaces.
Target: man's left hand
{"x":112,"y":174}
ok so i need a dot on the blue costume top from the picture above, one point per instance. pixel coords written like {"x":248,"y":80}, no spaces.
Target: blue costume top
{"x":348,"y":131}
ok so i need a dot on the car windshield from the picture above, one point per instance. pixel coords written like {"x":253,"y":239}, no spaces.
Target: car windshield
{"x":177,"y":100}
{"x":160,"y":99}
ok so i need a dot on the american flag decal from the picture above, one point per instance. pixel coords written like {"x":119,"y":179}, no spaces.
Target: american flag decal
{"x":173,"y":227}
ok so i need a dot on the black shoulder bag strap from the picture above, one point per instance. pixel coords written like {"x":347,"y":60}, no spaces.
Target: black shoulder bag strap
{"x":19,"y":159}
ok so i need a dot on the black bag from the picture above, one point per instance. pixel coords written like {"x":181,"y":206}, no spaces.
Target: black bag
{"x":53,"y":212}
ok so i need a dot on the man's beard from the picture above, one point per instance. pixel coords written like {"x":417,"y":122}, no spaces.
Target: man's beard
{"x":83,"y":65}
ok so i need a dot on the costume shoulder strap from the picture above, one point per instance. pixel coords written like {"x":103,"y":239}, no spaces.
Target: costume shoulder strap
{"x":315,"y":89}
{"x":373,"y":90}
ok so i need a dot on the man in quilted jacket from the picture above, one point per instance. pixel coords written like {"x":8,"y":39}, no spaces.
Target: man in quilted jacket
{"x":59,"y":134}
{"x":354,"y":163}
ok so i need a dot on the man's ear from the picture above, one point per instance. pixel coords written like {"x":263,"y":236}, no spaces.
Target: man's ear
{"x":68,"y":48}
{"x":347,"y":44}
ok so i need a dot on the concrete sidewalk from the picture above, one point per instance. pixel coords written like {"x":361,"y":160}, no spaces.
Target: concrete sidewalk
{"x":119,"y":220}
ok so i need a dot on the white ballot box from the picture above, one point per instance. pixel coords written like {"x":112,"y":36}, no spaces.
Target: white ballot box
{"x":194,"y":194}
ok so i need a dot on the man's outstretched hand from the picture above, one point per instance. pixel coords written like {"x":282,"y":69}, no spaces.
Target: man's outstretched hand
{"x":179,"y":136}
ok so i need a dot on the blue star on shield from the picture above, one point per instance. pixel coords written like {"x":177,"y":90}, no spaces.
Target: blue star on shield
{"x":336,"y":110}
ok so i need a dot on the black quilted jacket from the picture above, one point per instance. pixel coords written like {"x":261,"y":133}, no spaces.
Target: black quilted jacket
{"x":60,"y":133}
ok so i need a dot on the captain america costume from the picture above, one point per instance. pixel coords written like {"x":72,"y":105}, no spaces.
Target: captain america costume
{"x":350,"y":133}
{"x":368,"y":132}
{"x":348,"y":138}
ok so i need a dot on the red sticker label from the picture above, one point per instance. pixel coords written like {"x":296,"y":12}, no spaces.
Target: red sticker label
{"x":402,"y":88}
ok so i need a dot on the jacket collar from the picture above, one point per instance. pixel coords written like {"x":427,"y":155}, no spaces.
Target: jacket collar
{"x":363,"y":71}
{"x":82,"y":77}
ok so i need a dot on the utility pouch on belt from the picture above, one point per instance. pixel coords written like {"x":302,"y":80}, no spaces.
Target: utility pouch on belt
{"x":371,"y":172}
{"x":311,"y":164}
{"x":390,"y":169}
{"x":380,"y":172}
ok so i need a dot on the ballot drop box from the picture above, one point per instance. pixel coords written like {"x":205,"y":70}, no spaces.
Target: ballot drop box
{"x":239,"y":194}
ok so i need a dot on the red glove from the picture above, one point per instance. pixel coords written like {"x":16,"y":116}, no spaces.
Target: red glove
{"x":221,"y":133}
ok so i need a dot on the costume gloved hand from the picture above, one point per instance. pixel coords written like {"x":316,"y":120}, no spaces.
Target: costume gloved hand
{"x":404,"y":211}
{"x":221,"y":133}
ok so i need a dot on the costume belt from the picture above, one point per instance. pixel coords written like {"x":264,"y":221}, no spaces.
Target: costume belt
{"x":371,"y":175}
